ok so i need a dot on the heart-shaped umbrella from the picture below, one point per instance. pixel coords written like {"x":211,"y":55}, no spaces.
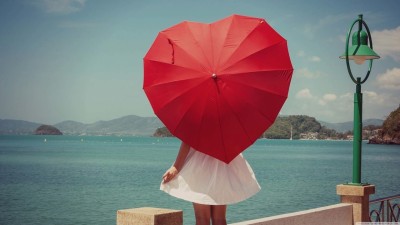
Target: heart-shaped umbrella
{"x":218,"y":86}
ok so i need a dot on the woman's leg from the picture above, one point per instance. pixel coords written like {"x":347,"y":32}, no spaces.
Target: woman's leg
{"x":202,"y":214}
{"x":218,"y":214}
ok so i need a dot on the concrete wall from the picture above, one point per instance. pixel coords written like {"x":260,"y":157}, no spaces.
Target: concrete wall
{"x":339,"y":214}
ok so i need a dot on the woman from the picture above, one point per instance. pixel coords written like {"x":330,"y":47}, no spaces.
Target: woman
{"x":209,"y":184}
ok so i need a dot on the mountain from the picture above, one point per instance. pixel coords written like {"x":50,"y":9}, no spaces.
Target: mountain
{"x":127,"y":125}
{"x":17,"y":127}
{"x":71,"y":127}
{"x":348,"y":126}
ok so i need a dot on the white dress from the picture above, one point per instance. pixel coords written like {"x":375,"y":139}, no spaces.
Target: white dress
{"x":206,"y":180}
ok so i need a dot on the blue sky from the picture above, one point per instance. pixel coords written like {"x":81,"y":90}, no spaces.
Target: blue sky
{"x":82,"y":59}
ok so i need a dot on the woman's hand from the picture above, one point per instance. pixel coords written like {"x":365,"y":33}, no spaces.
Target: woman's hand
{"x":170,"y":174}
{"x":180,"y":160}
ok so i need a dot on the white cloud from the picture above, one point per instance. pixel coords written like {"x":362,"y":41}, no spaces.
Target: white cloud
{"x":305,"y":72}
{"x":304,"y":94}
{"x":315,"y":59}
{"x":301,"y":53}
{"x":347,"y":95}
{"x":340,"y":107}
{"x":386,"y":43}
{"x":342,"y":38}
{"x":375,"y":105}
{"x":372,"y":95}
{"x":329,"y":97}
{"x":321,"y":102}
{"x":61,"y":6}
{"x":390,"y":79}
{"x":368,"y":96}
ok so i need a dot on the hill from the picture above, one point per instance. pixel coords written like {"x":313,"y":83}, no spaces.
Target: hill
{"x":348,"y":126}
{"x":17,"y":127}
{"x":390,"y":132}
{"x":47,"y":130}
{"x":299,"y":127}
{"x":127,"y":125}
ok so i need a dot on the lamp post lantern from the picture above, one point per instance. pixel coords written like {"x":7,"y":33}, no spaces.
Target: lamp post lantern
{"x":359,"y":52}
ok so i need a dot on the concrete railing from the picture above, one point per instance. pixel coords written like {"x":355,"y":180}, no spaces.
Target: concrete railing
{"x":339,"y":214}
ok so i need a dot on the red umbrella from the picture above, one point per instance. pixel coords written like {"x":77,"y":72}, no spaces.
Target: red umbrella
{"x":218,"y":86}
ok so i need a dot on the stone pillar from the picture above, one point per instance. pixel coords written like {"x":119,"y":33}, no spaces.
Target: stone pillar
{"x":358,"y":196}
{"x":149,"y":216}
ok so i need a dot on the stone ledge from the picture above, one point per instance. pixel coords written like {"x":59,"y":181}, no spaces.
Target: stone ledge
{"x":351,"y":190}
{"x":149,"y":216}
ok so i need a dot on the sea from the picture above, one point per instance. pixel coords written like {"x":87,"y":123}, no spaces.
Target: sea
{"x":85,"y":180}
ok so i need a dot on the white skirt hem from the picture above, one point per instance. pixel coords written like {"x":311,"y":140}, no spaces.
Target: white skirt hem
{"x":206,"y":180}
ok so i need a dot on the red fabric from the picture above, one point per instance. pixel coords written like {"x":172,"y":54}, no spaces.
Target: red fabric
{"x":224,"y":115}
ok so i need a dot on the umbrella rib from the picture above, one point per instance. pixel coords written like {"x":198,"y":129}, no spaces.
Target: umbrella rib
{"x":238,"y":118}
{"x":197,"y":43}
{"x":188,"y":108}
{"x":174,"y":45}
{"x":269,"y":46}
{"x":212,"y":48}
{"x":176,"y":66}
{"x":253,"y":108}
{"x":170,"y":82}
{"x":252,"y":87}
{"x":193,"y":103}
{"x":246,"y":84}
{"x":220,"y":128}
{"x":183,"y":92}
{"x":226,"y":37}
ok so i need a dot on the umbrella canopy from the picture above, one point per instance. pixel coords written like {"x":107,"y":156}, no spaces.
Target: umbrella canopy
{"x":218,"y":86}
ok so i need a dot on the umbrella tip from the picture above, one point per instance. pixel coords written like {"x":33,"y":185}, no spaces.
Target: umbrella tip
{"x":214,"y":76}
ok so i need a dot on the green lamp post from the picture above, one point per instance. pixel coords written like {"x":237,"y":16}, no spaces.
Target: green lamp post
{"x":359,"y":52}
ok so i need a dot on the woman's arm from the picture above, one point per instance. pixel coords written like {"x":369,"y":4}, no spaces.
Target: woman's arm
{"x":180,"y":160}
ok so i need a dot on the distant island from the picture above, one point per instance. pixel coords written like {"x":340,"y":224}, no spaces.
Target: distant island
{"x":162,"y":132}
{"x":297,"y":127}
{"x":47,"y":130}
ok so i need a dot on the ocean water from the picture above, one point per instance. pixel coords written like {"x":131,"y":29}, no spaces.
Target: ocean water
{"x":85,"y":180}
